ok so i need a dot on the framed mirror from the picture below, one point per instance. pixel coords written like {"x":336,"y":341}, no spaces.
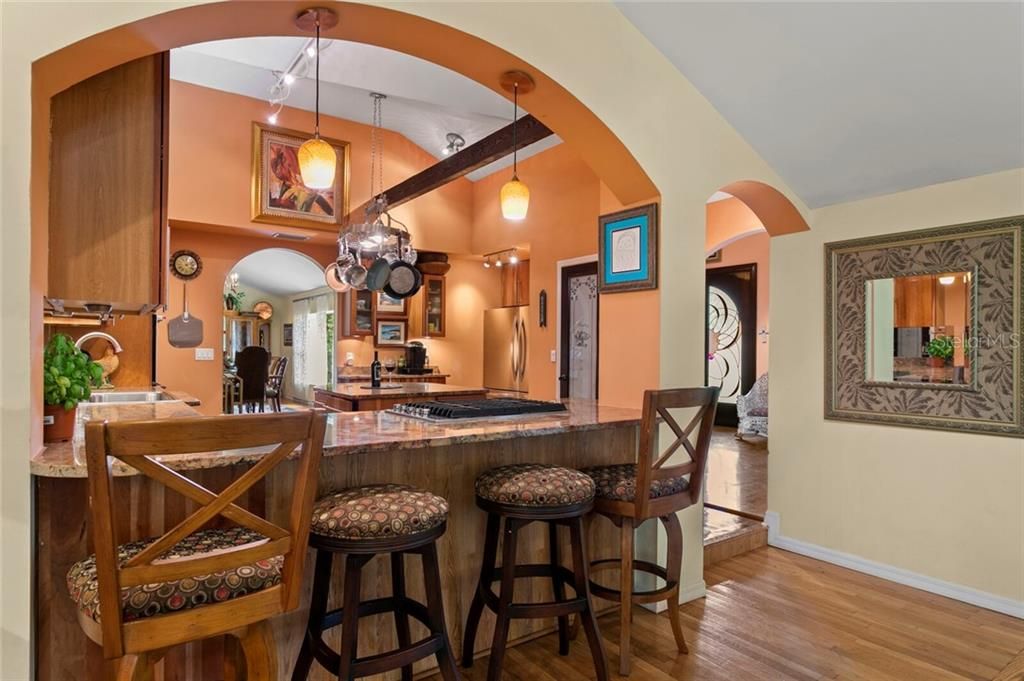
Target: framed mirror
{"x":924,"y":328}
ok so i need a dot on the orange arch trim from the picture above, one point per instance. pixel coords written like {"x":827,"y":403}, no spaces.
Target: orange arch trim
{"x":777,"y":214}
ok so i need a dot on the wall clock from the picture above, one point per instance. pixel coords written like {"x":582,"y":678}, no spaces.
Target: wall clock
{"x":263,"y":310}
{"x":186,"y":265}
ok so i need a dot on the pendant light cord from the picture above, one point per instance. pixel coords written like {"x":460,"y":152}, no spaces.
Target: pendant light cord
{"x":515,"y":125}
{"x":316,"y":126}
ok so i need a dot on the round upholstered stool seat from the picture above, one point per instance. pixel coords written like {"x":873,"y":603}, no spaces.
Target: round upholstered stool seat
{"x":535,"y":485}
{"x":378,"y":512}
{"x":618,"y":483}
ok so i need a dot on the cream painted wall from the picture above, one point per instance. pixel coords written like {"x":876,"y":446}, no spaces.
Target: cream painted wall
{"x":687,"y":162}
{"x":945,"y":505}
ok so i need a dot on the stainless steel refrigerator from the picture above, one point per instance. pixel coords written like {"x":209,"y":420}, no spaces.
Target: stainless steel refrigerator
{"x":505,"y":348}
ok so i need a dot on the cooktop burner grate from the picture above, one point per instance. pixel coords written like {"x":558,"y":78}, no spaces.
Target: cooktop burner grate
{"x":433,"y":410}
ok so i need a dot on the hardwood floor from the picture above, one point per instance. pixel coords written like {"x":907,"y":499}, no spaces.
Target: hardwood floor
{"x":775,"y":616}
{"x":737,"y":475}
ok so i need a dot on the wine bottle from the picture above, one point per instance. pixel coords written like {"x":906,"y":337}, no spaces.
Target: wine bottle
{"x":375,"y":371}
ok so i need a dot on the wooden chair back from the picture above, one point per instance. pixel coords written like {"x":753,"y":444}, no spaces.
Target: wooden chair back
{"x":277,"y":375}
{"x":694,"y":439}
{"x":139,"y":444}
{"x":252,"y":364}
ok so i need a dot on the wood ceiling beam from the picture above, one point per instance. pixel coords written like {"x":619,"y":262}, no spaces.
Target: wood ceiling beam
{"x":495,"y":146}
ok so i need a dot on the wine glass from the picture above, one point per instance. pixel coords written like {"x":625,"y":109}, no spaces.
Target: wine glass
{"x":389,"y":366}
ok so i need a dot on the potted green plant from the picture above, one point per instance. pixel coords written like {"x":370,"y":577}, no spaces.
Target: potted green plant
{"x":233,"y":300}
{"x":939,"y":350}
{"x":68,"y":378}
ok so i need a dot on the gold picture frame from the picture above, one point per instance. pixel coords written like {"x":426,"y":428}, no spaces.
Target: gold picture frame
{"x":280,"y":200}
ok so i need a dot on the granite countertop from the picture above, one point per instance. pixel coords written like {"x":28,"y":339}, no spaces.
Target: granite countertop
{"x":353,"y":378}
{"x":348,"y":433}
{"x":407,"y":389}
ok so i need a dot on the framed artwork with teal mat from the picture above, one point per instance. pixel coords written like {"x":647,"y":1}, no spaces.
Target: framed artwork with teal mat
{"x":627,"y":253}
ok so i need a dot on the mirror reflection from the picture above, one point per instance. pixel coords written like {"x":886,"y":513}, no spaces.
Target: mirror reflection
{"x":918,"y":328}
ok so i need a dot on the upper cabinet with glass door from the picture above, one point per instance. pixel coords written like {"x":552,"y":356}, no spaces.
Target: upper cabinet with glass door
{"x":433,"y":306}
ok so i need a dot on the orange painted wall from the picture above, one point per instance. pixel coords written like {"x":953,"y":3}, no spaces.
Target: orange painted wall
{"x":209,"y":206}
{"x":727,"y":220}
{"x":177,"y":368}
{"x":210,"y":167}
{"x":629,"y":335}
{"x":566,"y":198}
{"x":753,"y":249}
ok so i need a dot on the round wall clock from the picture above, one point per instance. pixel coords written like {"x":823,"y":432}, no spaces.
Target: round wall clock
{"x":263,"y":310}
{"x":186,"y":265}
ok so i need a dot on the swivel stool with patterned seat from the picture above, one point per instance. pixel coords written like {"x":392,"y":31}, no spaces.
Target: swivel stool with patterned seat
{"x":359,"y":523}
{"x":654,"y":486}
{"x":516,"y":496}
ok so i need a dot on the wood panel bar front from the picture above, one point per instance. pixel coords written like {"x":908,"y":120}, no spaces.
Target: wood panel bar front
{"x":63,"y":651}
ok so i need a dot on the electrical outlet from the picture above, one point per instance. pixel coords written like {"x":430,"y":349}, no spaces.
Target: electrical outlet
{"x":554,"y":356}
{"x":204,"y":354}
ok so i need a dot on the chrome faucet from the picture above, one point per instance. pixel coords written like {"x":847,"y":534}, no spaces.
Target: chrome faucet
{"x":99,"y":334}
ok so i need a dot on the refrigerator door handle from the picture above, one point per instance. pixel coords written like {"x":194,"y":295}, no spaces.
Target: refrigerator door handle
{"x":515,"y":349}
{"x":522,"y":350}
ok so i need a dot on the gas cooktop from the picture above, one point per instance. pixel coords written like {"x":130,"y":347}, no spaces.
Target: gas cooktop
{"x":464,"y":410}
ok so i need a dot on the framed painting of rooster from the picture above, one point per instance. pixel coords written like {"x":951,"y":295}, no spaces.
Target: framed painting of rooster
{"x":278,"y":195}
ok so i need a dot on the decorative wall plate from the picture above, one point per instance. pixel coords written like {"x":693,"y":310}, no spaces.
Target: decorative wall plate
{"x":263,"y":310}
{"x":186,"y":265}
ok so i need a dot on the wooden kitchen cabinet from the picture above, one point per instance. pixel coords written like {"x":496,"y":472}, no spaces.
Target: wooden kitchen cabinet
{"x":434,"y":312}
{"x":108,"y":189}
{"x":358,"y":314}
{"x":515,"y":284}
{"x":914,"y":301}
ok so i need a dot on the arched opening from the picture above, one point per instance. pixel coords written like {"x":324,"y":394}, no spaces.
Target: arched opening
{"x":741,"y":219}
{"x":472,"y":57}
{"x":271,"y":297}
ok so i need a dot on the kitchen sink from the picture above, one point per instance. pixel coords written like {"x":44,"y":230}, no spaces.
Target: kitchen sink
{"x":134,"y":396}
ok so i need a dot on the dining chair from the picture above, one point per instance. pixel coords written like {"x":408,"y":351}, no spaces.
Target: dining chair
{"x":275,"y":384}
{"x":138,"y":599}
{"x":629,"y":494}
{"x":253,"y":367}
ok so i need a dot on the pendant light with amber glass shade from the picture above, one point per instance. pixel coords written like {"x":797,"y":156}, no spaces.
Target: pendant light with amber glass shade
{"x":515,"y":195}
{"x":317,"y":160}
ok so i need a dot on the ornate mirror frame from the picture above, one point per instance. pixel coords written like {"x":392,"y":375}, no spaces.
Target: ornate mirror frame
{"x":993,"y":401}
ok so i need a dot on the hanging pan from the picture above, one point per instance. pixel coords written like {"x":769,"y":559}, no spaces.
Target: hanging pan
{"x":185,"y":331}
{"x":405,"y":280}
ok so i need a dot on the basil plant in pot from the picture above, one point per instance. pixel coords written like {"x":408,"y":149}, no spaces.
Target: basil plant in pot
{"x":68,"y":378}
{"x":939,"y":350}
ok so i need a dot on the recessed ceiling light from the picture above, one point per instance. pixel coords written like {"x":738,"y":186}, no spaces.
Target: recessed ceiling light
{"x":310,"y":51}
{"x":289,"y":79}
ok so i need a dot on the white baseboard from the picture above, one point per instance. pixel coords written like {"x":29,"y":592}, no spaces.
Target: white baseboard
{"x":982,"y":599}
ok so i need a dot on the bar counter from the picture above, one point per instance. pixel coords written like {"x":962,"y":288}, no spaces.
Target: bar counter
{"x":360,"y":448}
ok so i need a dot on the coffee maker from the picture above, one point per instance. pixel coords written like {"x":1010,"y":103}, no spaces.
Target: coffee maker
{"x":415,"y":359}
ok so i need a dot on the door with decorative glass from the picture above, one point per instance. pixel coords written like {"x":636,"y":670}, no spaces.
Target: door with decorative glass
{"x":730,"y":345}
{"x":579,"y":315}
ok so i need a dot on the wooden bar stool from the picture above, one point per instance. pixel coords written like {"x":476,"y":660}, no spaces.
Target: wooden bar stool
{"x":361,"y":522}
{"x":518,"y":495}
{"x":629,"y":494}
{"x":139,"y":599}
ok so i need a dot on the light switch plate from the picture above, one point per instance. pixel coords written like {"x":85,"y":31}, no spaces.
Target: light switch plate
{"x":554,"y":356}
{"x":204,"y":354}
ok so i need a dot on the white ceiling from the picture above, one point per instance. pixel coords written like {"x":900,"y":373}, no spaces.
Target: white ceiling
{"x":279,"y":271}
{"x":848,"y":100}
{"x":425,"y":101}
